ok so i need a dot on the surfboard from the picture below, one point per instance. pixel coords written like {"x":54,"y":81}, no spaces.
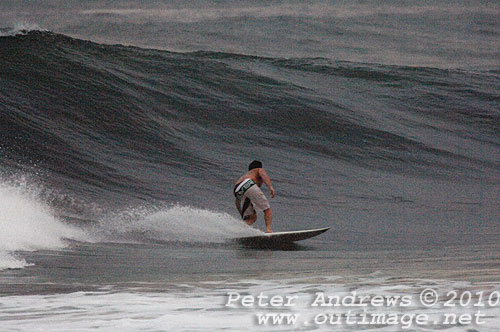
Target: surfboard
{"x":279,"y":238}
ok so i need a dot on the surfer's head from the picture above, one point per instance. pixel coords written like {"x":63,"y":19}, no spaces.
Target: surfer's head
{"x":254,"y":164}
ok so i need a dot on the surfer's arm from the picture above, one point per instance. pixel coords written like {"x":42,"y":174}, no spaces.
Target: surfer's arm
{"x":267,"y":181}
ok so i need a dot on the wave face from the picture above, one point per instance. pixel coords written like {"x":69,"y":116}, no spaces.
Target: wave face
{"x":358,"y":143}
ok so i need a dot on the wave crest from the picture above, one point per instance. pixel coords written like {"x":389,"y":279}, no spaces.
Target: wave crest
{"x":21,"y":29}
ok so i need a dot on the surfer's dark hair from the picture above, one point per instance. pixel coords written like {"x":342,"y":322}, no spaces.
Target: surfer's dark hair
{"x":254,"y":164}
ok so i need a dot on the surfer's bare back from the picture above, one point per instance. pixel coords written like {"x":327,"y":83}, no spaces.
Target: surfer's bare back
{"x":247,"y":189}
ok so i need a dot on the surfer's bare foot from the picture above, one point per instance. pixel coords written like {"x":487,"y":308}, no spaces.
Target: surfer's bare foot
{"x":268,"y":217}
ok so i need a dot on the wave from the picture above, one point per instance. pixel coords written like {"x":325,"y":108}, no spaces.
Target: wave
{"x":115,"y":127}
{"x":100,"y":108}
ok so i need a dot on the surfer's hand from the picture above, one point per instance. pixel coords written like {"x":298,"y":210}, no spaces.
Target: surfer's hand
{"x":273,"y":193}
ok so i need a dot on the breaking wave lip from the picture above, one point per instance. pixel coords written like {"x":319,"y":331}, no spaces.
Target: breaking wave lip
{"x":29,"y":224}
{"x":10,"y":261}
{"x":20,"y":29}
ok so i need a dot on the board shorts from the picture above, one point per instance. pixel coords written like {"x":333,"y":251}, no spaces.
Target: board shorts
{"x":253,"y":197}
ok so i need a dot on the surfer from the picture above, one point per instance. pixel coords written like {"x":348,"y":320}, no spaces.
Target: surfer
{"x":247,"y":188}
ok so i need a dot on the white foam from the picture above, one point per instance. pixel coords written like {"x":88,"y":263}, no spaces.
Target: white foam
{"x":202,"y":307}
{"x":28,"y":224}
{"x":9,"y":261}
{"x":21,"y":29}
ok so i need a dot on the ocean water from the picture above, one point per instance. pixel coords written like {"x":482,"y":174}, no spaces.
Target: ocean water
{"x":124,"y":124}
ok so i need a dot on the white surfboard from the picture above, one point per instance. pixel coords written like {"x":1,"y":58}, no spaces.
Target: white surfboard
{"x":278,"y":238}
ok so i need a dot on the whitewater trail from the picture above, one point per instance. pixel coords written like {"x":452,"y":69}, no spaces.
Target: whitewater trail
{"x":29,"y":223}
{"x":174,"y":223}
{"x":21,"y":29}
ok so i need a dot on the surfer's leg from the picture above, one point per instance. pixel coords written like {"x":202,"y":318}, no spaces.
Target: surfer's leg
{"x":248,"y":212}
{"x":261,"y":203}
{"x":268,"y":217}
{"x":251,"y":219}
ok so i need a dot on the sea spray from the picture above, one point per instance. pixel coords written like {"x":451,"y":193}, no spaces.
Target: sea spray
{"x":172,"y":224}
{"x":28,"y":224}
